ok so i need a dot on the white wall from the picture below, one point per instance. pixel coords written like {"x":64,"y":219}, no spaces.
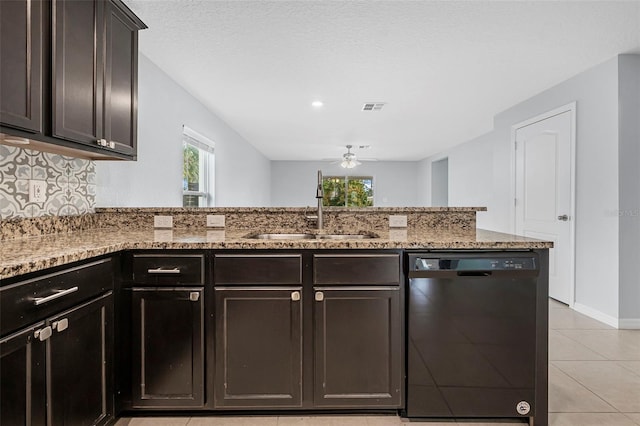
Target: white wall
{"x":480,"y":174}
{"x":440,"y":183}
{"x":293,"y":183}
{"x":242,"y":173}
{"x":629,"y":177}
{"x":423,"y":187}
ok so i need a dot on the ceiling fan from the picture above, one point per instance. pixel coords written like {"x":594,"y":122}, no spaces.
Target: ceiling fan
{"x":349,"y":159}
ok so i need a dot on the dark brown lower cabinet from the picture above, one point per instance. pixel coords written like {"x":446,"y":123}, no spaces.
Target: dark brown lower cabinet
{"x":357,"y":346}
{"x":167,"y":347}
{"x":22,"y":388}
{"x":79,"y":352}
{"x":258,"y":347}
{"x":58,"y":372}
{"x":57,"y":329}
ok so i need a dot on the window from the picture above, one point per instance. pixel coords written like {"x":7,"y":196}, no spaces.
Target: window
{"x":197,"y":169}
{"x":349,"y":191}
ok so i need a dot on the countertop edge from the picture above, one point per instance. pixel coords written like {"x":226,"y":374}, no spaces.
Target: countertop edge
{"x":84,"y":252}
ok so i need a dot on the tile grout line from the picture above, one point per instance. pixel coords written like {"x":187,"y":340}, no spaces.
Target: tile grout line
{"x":584,"y":386}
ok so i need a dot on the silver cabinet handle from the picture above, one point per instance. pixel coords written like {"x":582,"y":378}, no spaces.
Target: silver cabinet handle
{"x":194,"y":296}
{"x":60,"y":325}
{"x":563,"y":217}
{"x":43,"y":334}
{"x":319,"y":296}
{"x":160,"y":271}
{"x":295,"y":296}
{"x":112,"y":145}
{"x":58,"y":293}
{"x":102,"y":142}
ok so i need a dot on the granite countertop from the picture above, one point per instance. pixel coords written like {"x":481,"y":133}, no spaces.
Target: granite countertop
{"x":23,"y":255}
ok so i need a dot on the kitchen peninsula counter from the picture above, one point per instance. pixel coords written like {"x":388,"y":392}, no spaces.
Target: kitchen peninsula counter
{"x":30,"y":254}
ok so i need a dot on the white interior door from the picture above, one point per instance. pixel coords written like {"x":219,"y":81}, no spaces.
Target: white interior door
{"x":543,"y":206}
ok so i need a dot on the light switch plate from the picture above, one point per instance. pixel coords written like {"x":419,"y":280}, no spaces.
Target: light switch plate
{"x":215,"y":221}
{"x":397,"y":221}
{"x":163,"y":221}
{"x":37,"y":191}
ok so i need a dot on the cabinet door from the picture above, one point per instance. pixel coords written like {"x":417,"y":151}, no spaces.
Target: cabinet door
{"x":121,"y":76}
{"x":77,"y":69}
{"x":258,"y":347}
{"x":20,"y":64}
{"x":80,"y":364}
{"x":22,"y":379}
{"x":168,"y":347}
{"x":358,"y":353}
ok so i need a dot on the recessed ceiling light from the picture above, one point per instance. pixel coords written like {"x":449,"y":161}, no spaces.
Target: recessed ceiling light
{"x":317,"y":104}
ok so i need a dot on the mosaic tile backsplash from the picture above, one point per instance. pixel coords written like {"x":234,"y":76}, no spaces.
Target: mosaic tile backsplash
{"x":70,"y":183}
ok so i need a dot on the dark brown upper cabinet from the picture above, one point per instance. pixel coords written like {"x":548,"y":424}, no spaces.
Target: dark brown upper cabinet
{"x":77,"y":65}
{"x":89,"y":51}
{"x":121,"y":80}
{"x":21,"y":31}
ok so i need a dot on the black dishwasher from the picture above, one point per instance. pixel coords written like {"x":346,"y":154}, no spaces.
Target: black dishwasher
{"x":477,"y":335}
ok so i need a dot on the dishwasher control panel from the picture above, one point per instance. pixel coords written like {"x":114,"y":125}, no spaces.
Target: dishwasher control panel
{"x":472,"y":263}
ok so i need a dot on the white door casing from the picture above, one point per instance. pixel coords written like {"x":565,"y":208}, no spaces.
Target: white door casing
{"x":544,"y":202}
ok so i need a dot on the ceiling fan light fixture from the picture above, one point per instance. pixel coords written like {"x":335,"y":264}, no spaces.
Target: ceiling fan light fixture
{"x":348,"y":163}
{"x":349,"y":160}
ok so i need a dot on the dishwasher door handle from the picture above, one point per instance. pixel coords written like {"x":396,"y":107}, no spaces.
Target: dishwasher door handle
{"x":474,"y":273}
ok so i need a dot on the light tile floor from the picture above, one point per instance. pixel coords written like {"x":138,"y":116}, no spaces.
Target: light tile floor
{"x":594,"y":380}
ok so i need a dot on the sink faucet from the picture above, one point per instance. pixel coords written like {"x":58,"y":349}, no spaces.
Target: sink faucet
{"x":319,"y":197}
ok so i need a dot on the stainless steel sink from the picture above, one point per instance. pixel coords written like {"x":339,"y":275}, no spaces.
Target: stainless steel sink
{"x":282,"y":236}
{"x":344,"y":236}
{"x":276,"y":236}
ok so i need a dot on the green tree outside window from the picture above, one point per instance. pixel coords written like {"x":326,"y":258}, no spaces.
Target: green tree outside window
{"x":347,"y":191}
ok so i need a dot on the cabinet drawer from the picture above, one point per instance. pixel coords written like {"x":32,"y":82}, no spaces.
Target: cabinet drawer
{"x":368,"y":269}
{"x":28,"y":301}
{"x":162,"y":269}
{"x":258,"y":269}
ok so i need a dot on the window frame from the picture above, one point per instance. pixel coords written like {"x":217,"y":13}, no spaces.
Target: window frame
{"x":206,"y":167}
{"x":346,"y":179}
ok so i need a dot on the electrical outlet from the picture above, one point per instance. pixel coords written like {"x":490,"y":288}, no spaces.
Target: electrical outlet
{"x":397,"y":221}
{"x":215,"y":221}
{"x":37,"y":191}
{"x":163,"y":221}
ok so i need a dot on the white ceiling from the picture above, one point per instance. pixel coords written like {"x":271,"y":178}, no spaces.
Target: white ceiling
{"x":445,"y":68}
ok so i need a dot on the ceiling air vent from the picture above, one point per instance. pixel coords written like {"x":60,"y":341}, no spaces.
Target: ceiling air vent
{"x":373,"y":106}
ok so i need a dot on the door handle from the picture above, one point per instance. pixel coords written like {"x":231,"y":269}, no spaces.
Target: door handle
{"x":43,"y":334}
{"x":160,"y":271}
{"x":58,"y":293}
{"x":563,"y":217}
{"x":295,"y":296}
{"x":60,"y":325}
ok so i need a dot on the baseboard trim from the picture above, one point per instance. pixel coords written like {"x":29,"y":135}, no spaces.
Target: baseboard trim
{"x":597,"y":315}
{"x":629,"y":324}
